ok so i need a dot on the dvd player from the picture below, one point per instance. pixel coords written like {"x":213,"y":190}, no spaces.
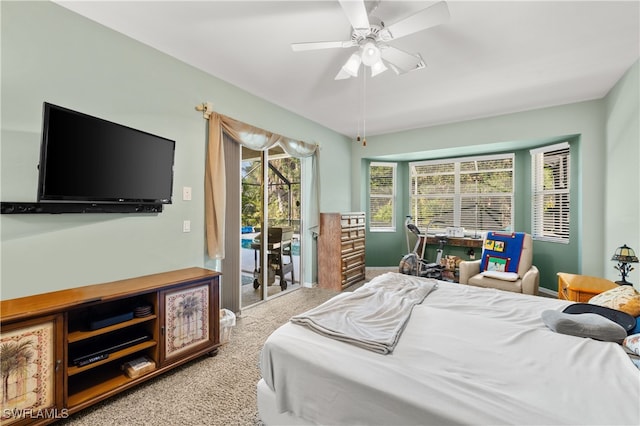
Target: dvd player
{"x":100,"y":349}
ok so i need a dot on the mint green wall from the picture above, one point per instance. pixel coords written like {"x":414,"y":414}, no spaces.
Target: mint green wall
{"x":622,"y":185}
{"x":51,"y":54}
{"x":385,"y":249}
{"x":508,"y":133}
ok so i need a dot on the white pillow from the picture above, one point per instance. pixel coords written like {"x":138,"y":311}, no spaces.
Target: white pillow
{"x":632,"y":343}
{"x":505,"y":276}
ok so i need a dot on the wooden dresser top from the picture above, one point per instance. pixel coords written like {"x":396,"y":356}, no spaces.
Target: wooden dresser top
{"x":58,"y":301}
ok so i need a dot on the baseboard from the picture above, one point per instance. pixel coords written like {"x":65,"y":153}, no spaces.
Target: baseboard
{"x":547,"y":292}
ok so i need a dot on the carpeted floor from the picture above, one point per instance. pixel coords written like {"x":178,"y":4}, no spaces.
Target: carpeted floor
{"x":216,"y":390}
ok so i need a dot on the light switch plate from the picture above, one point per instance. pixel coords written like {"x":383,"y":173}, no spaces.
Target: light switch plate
{"x":186,"y":193}
{"x":186,"y":226}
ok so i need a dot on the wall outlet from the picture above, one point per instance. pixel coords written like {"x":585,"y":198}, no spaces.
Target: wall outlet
{"x":186,"y":226}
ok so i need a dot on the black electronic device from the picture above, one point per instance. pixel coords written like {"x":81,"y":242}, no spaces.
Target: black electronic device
{"x":86,"y":159}
{"x":91,"y":165}
{"x":100,"y":347}
{"x":81,"y":362}
{"x":18,"y":207}
{"x":107,"y":320}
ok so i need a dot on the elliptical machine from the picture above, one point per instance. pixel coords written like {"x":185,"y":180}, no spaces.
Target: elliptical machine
{"x":414,"y":262}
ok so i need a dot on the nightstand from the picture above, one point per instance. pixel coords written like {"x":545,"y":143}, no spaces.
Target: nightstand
{"x":581,"y":288}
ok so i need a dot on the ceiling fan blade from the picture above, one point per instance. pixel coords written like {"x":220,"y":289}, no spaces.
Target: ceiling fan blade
{"x":317,"y":45}
{"x":433,"y":15}
{"x":402,"y":62}
{"x":357,"y":14}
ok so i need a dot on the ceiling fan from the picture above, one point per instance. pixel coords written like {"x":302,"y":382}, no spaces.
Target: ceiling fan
{"x":371,"y":36}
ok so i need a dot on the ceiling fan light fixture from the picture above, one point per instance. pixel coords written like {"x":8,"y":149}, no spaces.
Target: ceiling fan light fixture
{"x":377,"y":68}
{"x":352,"y":65}
{"x":370,"y":53}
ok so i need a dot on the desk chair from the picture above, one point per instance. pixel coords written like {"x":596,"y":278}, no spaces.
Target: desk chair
{"x":278,"y":246}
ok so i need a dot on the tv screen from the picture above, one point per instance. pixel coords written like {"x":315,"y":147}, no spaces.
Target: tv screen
{"x":88,"y":159}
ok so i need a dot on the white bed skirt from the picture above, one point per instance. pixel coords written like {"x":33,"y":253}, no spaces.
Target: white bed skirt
{"x":269,"y":413}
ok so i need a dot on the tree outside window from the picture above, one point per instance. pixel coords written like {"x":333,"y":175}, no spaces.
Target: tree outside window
{"x":382,"y":196}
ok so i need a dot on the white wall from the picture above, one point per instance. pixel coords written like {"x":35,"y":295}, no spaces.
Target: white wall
{"x":622,"y":184}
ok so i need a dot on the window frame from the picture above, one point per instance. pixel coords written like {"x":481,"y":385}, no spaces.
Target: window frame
{"x":457,"y":196}
{"x":392,"y":196}
{"x":538,"y":194}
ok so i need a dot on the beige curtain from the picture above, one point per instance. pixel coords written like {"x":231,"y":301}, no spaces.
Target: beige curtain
{"x":215,"y":193}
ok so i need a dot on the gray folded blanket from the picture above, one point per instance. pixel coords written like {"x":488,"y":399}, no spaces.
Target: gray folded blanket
{"x":371,"y":317}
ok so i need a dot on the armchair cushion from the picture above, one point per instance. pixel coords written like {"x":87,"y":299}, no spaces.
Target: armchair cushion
{"x":506,"y":276}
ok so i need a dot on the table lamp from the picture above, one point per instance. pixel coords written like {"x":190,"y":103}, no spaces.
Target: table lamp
{"x":624,"y":256}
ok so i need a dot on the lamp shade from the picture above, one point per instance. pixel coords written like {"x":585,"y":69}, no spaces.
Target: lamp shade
{"x":370,"y":53}
{"x":377,"y":68}
{"x":352,"y":65}
{"x":625,"y":254}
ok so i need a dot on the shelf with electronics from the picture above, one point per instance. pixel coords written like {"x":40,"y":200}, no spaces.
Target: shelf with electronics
{"x":82,"y":345}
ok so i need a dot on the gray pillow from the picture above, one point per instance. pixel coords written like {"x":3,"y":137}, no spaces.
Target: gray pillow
{"x":584,"y":325}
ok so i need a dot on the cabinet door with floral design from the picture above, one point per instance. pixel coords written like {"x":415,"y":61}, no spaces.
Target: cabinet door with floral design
{"x":31,"y":369}
{"x":189,"y":314}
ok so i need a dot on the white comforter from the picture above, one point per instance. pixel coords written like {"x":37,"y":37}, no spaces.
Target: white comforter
{"x":468,"y":355}
{"x":373,"y":316}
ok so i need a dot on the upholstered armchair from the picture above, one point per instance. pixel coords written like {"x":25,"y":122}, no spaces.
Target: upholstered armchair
{"x":525,"y":279}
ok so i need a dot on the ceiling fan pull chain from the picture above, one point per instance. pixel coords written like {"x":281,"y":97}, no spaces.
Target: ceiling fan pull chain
{"x":358,"y":139}
{"x":364,"y":109}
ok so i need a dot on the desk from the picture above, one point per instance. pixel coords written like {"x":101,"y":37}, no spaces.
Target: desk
{"x":454,"y":241}
{"x":451,"y":260}
{"x":581,"y":288}
{"x":449,"y":241}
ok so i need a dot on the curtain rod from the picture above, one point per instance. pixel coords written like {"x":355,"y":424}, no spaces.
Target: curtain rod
{"x":206,"y":108}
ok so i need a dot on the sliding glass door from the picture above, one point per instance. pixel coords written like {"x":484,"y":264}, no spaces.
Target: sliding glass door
{"x":270,"y":206}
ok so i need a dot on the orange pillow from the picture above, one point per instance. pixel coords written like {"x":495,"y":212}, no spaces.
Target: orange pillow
{"x":623,"y":298}
{"x":632,"y":307}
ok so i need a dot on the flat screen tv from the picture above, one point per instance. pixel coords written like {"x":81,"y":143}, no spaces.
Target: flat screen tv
{"x":85,"y":159}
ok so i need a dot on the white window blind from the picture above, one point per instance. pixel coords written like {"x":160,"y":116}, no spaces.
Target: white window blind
{"x":475,"y":193}
{"x":382,"y":196}
{"x":550,"y":204}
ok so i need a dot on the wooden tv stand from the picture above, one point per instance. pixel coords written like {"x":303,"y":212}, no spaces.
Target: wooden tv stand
{"x":70,"y":346}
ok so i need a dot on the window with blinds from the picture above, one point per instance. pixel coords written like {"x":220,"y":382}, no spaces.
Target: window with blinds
{"x":550,"y":204}
{"x":382,"y":196}
{"x":475,"y":193}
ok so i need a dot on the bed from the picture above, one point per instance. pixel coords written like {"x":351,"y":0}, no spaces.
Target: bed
{"x":466,"y":355}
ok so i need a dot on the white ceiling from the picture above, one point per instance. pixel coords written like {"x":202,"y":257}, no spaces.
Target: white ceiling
{"x":490,"y":58}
